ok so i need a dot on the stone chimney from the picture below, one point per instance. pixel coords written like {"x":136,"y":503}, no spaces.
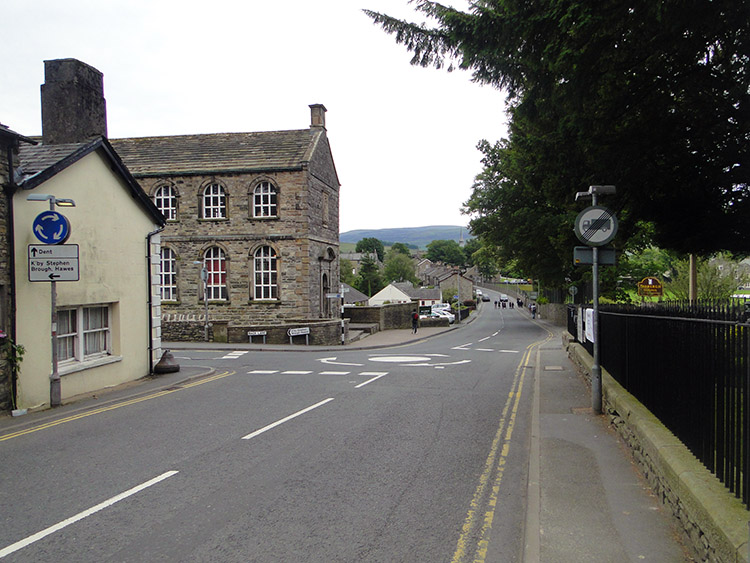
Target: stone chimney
{"x":73,"y":105}
{"x":318,"y":115}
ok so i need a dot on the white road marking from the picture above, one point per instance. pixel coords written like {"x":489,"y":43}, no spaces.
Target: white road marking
{"x":376,"y":374}
{"x":81,"y":515}
{"x":335,"y":372}
{"x":234,"y":355}
{"x":333,"y":361}
{"x":485,"y":338}
{"x":263,"y":371}
{"x":399,"y":359}
{"x":509,"y":351}
{"x":296,"y":372}
{"x":287,"y":419}
{"x":485,"y":349}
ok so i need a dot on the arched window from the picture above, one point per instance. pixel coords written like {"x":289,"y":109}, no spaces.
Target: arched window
{"x":168,"y":274}
{"x":165,"y":199}
{"x":265,"y":200}
{"x":215,"y":263}
{"x":214,"y":202}
{"x":266,"y":274}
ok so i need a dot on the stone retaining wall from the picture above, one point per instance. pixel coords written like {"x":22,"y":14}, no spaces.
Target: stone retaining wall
{"x":191,"y":329}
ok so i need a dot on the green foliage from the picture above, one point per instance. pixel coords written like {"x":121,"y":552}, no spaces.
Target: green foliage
{"x":14,"y":355}
{"x":373,"y":245}
{"x":717,"y":279}
{"x":401,"y":248}
{"x":347,"y":272}
{"x":399,"y":267}
{"x":648,"y":95}
{"x":446,"y":251}
{"x":369,"y":281}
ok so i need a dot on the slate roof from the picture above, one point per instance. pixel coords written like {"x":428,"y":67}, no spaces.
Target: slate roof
{"x":41,"y":162}
{"x":418,"y":292}
{"x":353,"y":296}
{"x":217,"y":152}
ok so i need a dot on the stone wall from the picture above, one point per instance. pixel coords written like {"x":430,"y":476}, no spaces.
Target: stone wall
{"x":192,"y":329}
{"x":555,"y":313}
{"x":391,"y":316}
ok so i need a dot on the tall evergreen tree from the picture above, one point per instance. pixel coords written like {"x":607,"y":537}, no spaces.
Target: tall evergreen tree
{"x":651,"y":95}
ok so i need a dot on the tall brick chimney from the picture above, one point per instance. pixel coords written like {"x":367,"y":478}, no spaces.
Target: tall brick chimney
{"x":318,"y":115}
{"x":73,"y":105}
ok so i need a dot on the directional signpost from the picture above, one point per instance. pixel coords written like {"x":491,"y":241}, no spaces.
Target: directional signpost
{"x":53,"y":263}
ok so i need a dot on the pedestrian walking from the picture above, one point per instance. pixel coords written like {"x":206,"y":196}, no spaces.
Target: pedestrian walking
{"x":414,"y":321}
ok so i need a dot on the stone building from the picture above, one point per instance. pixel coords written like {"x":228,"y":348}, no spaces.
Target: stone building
{"x":252,"y":229}
{"x":9,"y":145}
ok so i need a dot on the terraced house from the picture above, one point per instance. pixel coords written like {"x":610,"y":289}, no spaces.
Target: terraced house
{"x":252,"y":229}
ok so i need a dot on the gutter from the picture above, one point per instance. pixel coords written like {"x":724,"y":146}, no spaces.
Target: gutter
{"x":150,"y":347}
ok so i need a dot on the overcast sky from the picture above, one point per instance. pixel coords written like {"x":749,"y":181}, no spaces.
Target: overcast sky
{"x":403,"y":138}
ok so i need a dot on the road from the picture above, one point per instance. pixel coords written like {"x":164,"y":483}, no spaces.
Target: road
{"x":414,"y":453}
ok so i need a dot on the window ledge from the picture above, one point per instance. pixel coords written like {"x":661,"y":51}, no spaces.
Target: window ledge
{"x":75,"y":367}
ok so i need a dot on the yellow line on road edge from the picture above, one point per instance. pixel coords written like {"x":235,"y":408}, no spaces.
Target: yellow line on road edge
{"x":483,"y":504}
{"x":111,"y":407}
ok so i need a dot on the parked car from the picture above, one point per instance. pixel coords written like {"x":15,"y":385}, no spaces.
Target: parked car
{"x":443,"y":314}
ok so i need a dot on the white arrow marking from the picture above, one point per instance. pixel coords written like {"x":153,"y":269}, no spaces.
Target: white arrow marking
{"x":332,"y":360}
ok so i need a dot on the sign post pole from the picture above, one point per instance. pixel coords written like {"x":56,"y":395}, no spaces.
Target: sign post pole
{"x":595,"y":227}
{"x":54,"y":229}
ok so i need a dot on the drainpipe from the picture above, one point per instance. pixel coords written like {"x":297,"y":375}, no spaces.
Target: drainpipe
{"x":150,"y":347}
{"x":11,"y":188}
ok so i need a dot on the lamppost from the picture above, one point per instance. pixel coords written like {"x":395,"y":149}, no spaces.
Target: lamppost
{"x":596,"y":370}
{"x":204,"y":279}
{"x":55,"y":394}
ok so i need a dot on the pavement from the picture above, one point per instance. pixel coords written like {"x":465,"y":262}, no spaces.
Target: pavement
{"x":586,"y":500}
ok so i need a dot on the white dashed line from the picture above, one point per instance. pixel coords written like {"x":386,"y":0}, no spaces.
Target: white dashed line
{"x":263,"y":371}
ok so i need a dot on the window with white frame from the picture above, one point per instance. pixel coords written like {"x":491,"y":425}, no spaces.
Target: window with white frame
{"x":83,"y":333}
{"x":214,"y":202}
{"x":168,"y":274}
{"x":215,"y":263}
{"x":266,"y":274}
{"x":265,"y":200}
{"x":165,"y":199}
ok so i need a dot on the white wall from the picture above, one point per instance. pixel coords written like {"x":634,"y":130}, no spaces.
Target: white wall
{"x":110,"y":228}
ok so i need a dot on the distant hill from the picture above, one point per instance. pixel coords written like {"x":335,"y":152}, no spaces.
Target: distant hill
{"x":419,"y":236}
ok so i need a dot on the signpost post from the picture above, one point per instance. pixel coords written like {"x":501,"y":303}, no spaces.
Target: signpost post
{"x":596,"y":226}
{"x":53,"y":228}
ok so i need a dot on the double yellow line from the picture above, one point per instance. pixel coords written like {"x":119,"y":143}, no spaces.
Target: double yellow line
{"x":481,"y":513}
{"x":114,"y":406}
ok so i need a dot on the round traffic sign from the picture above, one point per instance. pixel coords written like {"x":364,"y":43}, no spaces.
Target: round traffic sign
{"x":596,"y":226}
{"x":51,"y":227}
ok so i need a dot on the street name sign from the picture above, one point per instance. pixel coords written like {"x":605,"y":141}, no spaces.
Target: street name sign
{"x":48,"y":263}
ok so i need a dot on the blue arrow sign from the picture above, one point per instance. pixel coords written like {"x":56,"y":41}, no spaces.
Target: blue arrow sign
{"x":51,"y":227}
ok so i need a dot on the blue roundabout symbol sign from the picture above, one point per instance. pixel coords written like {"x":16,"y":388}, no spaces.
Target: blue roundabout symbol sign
{"x":51,"y":227}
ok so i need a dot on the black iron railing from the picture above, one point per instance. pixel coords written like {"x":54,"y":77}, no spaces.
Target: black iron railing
{"x":690,"y":366}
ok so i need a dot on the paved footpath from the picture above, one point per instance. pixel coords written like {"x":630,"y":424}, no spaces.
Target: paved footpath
{"x":587,"y":500}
